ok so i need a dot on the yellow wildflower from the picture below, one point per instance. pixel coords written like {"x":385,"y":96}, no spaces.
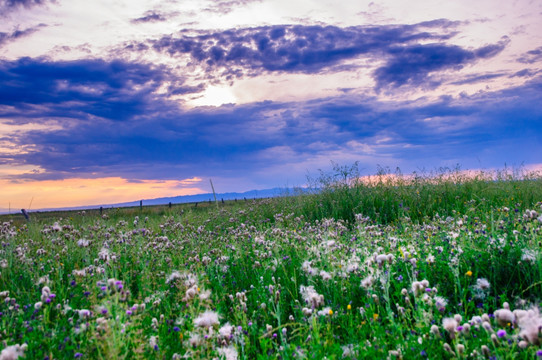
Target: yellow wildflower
{"x":468,"y":273}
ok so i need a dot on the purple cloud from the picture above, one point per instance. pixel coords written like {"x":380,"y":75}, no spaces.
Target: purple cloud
{"x":287,"y":48}
{"x":531,"y":56}
{"x":113,"y":122}
{"x":237,"y":53}
{"x":17,"y":34}
{"x":150,"y":16}
{"x":10,"y":5}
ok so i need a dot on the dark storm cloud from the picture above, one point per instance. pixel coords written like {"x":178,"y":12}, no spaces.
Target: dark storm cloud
{"x":112,"y":122}
{"x":288,"y":48}
{"x":81,"y":89}
{"x":315,"y":49}
{"x":413,"y":64}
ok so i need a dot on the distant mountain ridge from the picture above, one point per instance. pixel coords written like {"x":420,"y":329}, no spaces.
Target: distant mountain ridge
{"x":252,"y":194}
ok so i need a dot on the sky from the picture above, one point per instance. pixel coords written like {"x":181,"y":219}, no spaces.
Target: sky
{"x":110,"y":101}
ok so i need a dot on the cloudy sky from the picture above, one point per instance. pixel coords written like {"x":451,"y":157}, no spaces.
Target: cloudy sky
{"x":118,"y":100}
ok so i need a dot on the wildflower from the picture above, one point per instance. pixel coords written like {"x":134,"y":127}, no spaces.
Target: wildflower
{"x":307,"y":312}
{"x":501,"y":333}
{"x":153,"y":343}
{"x":83,"y":243}
{"x":375,"y":316}
{"x":207,"y":319}
{"x":348,"y":307}
{"x":174,"y":276}
{"x":529,"y":255}
{"x":13,"y":352}
{"x":325,"y":312}
{"x":78,"y":355}
{"x":325,"y":275}
{"x":504,"y":316}
{"x":205,"y":294}
{"x":195,"y":340}
{"x":482,"y":284}
{"x":226,"y":331}
{"x":450,"y":325}
{"x":228,"y":353}
{"x":367,"y":282}
{"x":311,"y":297}
{"x":418,"y":287}
{"x":348,"y":350}
{"x":383,"y":258}
{"x":468,"y":273}
{"x":465,"y":328}
{"x":448,"y":349}
{"x":434,"y":330}
{"x":83,"y":313}
{"x":530,"y":326}
{"x":440,"y":303}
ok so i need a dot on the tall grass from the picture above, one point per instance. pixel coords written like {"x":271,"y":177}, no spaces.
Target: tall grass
{"x":337,"y":273}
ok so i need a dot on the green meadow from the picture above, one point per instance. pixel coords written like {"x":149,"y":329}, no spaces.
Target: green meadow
{"x":437,"y":266}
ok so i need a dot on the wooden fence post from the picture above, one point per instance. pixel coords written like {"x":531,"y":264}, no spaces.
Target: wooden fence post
{"x":26,"y":216}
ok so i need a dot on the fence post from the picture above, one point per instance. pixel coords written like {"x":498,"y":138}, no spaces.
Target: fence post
{"x":26,"y":216}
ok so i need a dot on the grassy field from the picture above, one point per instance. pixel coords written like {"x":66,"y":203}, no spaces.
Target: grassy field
{"x":402,"y":267}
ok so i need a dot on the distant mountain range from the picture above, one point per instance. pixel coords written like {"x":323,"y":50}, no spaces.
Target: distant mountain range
{"x":252,"y":194}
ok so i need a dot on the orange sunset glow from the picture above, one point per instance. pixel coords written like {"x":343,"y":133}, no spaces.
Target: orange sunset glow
{"x":77,"y":192}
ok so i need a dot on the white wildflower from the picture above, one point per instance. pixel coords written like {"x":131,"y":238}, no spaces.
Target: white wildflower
{"x":207,"y":319}
{"x":530,"y":326}
{"x":229,"y":353}
{"x":311,"y":297}
{"x":325,"y":311}
{"x":368,"y":282}
{"x":13,"y":352}
{"x":226,"y":331}
{"x":450,"y":325}
{"x":83,"y":243}
{"x":529,"y":255}
{"x":174,"y":276}
{"x":325,"y":275}
{"x":483,"y":284}
{"x":504,"y":317}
